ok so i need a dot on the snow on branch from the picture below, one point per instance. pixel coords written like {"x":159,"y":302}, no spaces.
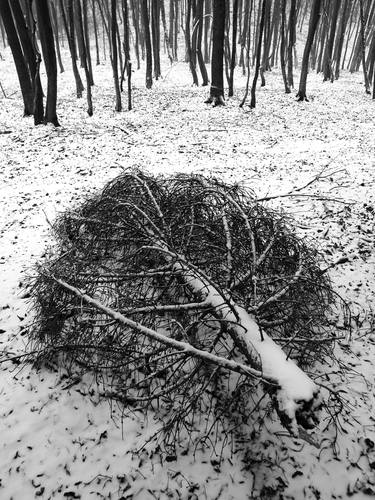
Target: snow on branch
{"x":168,"y":285}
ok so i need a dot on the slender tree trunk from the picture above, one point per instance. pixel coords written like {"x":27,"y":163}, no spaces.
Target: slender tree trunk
{"x":71,"y":42}
{"x":155,"y":32}
{"x":55,"y":27}
{"x":166,"y":35}
{"x":340,"y":39}
{"x":258,"y":55}
{"x":327,"y":70}
{"x":114,"y":54}
{"x":200,"y":58}
{"x":49,"y":55}
{"x":363,"y":48}
{"x":217,"y":67}
{"x":136,"y":34}
{"x":189,"y":52}
{"x":86,"y":39}
{"x":313,"y":23}
{"x":146,"y":28}
{"x":292,"y":41}
{"x":282,"y":46}
{"x":248,"y":37}
{"x":83,"y":44}
{"x":234,"y":47}
{"x":95,"y":32}
{"x":207,"y":22}
{"x":23,"y":74}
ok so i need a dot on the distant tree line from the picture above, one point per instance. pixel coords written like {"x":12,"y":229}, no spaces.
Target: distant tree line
{"x":254,"y":35}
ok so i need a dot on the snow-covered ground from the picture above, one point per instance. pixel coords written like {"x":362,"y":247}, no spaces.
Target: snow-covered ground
{"x":58,"y":439}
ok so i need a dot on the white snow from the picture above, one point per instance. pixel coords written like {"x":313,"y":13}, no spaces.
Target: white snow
{"x":56,"y":440}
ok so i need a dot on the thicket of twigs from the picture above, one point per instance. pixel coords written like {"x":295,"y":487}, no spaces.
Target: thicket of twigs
{"x":153,"y":249}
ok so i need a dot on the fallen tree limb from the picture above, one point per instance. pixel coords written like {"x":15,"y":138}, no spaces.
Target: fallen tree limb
{"x":175,"y":284}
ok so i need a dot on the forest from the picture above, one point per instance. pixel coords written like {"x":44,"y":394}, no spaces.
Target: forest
{"x":223,"y":34}
{"x":187,"y":249}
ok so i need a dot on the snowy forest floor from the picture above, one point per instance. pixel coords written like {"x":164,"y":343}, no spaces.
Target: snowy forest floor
{"x":59,"y":439}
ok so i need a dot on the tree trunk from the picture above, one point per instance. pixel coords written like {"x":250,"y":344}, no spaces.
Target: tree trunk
{"x":86,"y":38}
{"x":95,"y":32}
{"x":22,"y":69}
{"x":200,"y":58}
{"x":217,"y":67}
{"x":71,"y":42}
{"x":114,"y":54}
{"x":258,"y":54}
{"x":313,"y":23}
{"x":189,"y":51}
{"x":340,"y":39}
{"x":155,"y":32}
{"x":282,"y":46}
{"x":292,"y":41}
{"x":234,"y":46}
{"x":31,"y":54}
{"x":363,"y":48}
{"x":327,"y":70}
{"x":55,"y":27}
{"x":49,"y":55}
{"x":146,"y":27}
{"x":83,"y":43}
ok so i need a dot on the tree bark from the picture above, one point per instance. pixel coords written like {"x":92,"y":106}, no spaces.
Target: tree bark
{"x":217,"y":66}
{"x":146,"y":27}
{"x":71,"y":42}
{"x":258,"y":54}
{"x":49,"y":55}
{"x":313,"y":23}
{"x":234,"y":47}
{"x":114,"y":54}
{"x":282,"y":46}
{"x":22,"y":69}
{"x":80,"y":32}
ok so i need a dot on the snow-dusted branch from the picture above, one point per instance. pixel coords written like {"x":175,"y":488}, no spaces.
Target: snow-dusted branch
{"x":179,"y":346}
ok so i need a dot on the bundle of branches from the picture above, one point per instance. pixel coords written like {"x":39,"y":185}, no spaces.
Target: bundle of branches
{"x":166,"y":285}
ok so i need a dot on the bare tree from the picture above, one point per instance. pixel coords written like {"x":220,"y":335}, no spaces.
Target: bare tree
{"x":314,"y":20}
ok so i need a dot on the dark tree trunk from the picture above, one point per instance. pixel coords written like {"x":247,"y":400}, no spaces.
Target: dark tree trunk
{"x":313,"y":23}
{"x":207,"y":20}
{"x":23,"y":73}
{"x":55,"y":27}
{"x":189,"y":52}
{"x":80,"y":32}
{"x":166,"y":35}
{"x":114,"y":54}
{"x":327,"y":69}
{"x":136,"y":34}
{"x":71,"y":42}
{"x":217,"y":67}
{"x":340,"y":39}
{"x":146,"y":27}
{"x":85,"y":29}
{"x":199,"y":22}
{"x":155,"y":31}
{"x":95,"y":32}
{"x":32,"y":55}
{"x":248,"y":25}
{"x":282,"y":46}
{"x":234,"y":47}
{"x":258,"y":54}
{"x":128,"y":63}
{"x":363,"y":47}
{"x":176,"y":28}
{"x":49,"y":55}
{"x":292,"y":41}
{"x":264,"y":65}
